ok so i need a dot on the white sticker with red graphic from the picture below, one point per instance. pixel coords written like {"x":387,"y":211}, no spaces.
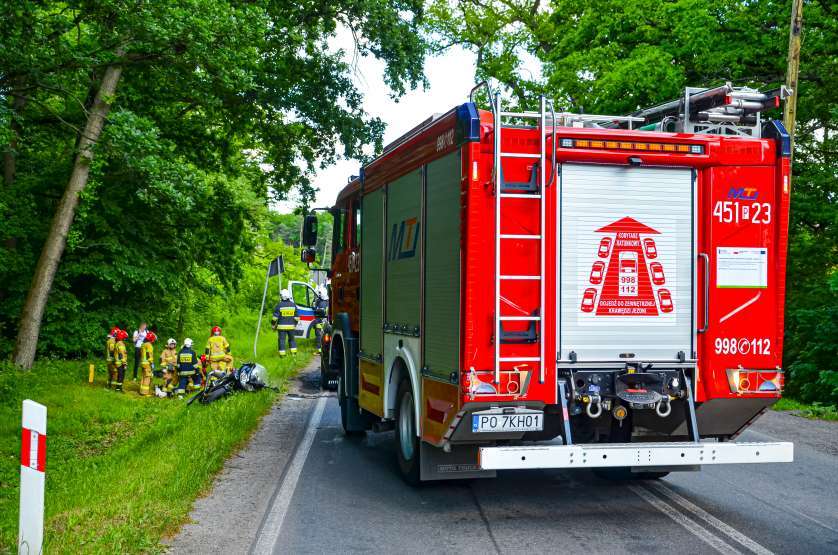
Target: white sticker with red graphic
{"x":628,"y":274}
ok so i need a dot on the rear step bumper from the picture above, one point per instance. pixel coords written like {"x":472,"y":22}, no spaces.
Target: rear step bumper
{"x":634,"y":455}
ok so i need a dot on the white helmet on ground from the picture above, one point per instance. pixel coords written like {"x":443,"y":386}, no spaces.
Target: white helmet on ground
{"x":285,"y":295}
{"x":187,"y":343}
{"x":171,"y":342}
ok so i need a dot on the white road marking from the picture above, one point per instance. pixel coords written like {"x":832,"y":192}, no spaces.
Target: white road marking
{"x":269,"y":534}
{"x":693,"y":527}
{"x":710,"y":519}
{"x":736,"y":311}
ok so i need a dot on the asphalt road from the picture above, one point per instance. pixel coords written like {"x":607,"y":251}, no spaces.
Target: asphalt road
{"x":302,"y":487}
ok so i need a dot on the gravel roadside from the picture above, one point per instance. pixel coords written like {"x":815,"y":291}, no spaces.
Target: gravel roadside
{"x":228,"y":519}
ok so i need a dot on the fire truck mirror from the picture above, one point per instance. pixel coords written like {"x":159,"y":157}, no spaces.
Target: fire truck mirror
{"x":307,"y":256}
{"x":309,"y":231}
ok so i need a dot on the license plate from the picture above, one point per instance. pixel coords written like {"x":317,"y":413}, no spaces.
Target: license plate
{"x":499,"y":422}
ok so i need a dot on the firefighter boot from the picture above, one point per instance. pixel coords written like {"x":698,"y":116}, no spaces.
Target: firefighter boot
{"x":120,"y":376}
{"x":292,"y":342}
{"x":281,"y":340}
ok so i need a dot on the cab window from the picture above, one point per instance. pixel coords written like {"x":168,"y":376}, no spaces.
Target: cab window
{"x":338,"y":231}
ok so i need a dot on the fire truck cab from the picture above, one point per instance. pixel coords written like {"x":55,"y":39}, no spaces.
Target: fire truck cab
{"x":498,"y":294}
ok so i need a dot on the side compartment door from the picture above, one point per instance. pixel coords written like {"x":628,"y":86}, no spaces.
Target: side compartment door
{"x":402,"y":311}
{"x":741,"y":322}
{"x":442,"y":268}
{"x":372,"y":303}
{"x":626,"y":263}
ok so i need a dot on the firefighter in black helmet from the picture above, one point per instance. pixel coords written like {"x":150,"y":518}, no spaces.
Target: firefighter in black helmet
{"x":284,"y":321}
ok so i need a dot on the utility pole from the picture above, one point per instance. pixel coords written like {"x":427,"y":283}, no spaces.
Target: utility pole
{"x":790,"y":109}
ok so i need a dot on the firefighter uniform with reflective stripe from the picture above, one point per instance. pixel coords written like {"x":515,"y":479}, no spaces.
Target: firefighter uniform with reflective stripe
{"x":218,"y":353}
{"x":188,"y":366}
{"x":110,"y":347}
{"x":146,"y":363}
{"x":284,"y":322}
{"x":168,"y":362}
{"x":120,"y":359}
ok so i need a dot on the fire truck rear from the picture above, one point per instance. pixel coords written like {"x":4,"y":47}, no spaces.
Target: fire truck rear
{"x":553,"y":290}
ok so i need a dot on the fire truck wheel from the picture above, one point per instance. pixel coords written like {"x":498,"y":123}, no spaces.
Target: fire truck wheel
{"x":622,"y":474}
{"x":407,"y":443}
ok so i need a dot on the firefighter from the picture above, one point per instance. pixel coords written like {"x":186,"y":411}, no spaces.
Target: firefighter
{"x":120,"y":358}
{"x":218,"y":351}
{"x":168,"y":362}
{"x":147,"y":363}
{"x":284,"y":321}
{"x":188,"y":366}
{"x":110,"y":347}
{"x":322,"y":304}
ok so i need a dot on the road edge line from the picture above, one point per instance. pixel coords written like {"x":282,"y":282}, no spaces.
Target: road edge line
{"x":726,"y":529}
{"x":268,"y":534}
{"x":686,"y":522}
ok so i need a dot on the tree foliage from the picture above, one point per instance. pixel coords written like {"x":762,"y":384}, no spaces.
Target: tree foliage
{"x":614,"y":56}
{"x":221,"y":106}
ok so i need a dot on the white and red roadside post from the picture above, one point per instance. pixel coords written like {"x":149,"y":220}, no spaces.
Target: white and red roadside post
{"x":33,"y":460}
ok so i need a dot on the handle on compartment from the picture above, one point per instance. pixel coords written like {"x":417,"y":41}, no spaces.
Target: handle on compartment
{"x":706,"y":322}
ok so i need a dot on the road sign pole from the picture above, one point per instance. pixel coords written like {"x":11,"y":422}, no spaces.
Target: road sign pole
{"x":261,"y":311}
{"x":33,"y":459}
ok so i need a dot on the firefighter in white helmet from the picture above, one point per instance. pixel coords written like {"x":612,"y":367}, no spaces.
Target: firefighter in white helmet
{"x":321,"y":306}
{"x":284,"y":321}
{"x":188,"y":367}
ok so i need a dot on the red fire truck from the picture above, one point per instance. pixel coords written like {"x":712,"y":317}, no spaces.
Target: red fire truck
{"x":498,"y":293}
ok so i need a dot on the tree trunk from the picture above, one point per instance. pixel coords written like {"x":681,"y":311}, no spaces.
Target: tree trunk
{"x":36,"y":299}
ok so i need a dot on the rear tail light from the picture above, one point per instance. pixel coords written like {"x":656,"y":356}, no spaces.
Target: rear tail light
{"x":742,"y":380}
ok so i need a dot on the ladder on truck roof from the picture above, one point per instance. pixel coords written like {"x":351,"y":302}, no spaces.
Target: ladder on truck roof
{"x":533,"y":190}
{"x":723,"y":110}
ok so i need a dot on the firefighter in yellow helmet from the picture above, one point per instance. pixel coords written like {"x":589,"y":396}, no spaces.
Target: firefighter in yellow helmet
{"x":168,"y":364}
{"x":110,"y":347}
{"x":218,"y":351}
{"x":284,"y":321}
{"x":147,"y":363}
{"x":120,"y":358}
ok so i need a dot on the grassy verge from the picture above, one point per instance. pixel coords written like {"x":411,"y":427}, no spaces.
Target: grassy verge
{"x":815,"y":411}
{"x":123,"y":471}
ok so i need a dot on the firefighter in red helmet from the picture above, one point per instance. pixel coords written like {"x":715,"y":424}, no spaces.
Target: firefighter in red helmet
{"x":110,"y":347}
{"x":147,"y":363}
{"x":218,"y":351}
{"x":120,"y":356}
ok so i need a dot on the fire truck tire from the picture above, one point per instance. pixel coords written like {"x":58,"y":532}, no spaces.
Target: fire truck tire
{"x":348,"y":430}
{"x":407,"y":442}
